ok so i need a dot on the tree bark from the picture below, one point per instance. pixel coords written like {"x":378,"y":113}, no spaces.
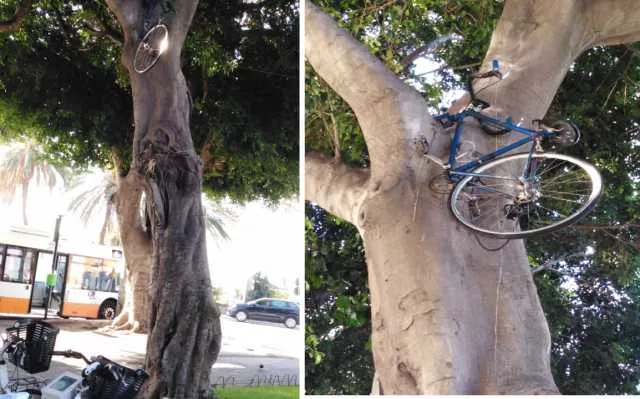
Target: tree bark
{"x":184,"y":326}
{"x":25,"y":196}
{"x":138,"y":250}
{"x":448,"y":316}
{"x":105,"y":223}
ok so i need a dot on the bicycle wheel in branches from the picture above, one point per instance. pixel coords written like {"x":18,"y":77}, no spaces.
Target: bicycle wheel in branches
{"x":504,"y":201}
{"x":150,"y":48}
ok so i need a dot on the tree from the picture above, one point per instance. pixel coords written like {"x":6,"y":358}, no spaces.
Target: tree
{"x":584,"y":296}
{"x":447,"y":316}
{"x":23,"y":164}
{"x":258,"y":287}
{"x":92,"y":194}
{"x":169,"y":171}
{"x":245,"y":141}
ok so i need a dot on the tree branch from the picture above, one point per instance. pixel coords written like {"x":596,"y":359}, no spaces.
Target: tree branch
{"x":614,"y":22}
{"x":21,"y":13}
{"x":391,"y":114}
{"x":104,"y":31}
{"x":547,"y":265}
{"x":335,"y":186}
{"x":128,"y":14}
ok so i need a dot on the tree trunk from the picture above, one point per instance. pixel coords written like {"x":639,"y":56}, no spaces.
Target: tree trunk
{"x":138,"y":251}
{"x":105,"y":222}
{"x":184,"y":325}
{"x":449,"y":317}
{"x":25,"y":196}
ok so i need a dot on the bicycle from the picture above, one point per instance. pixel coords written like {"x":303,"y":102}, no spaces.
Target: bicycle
{"x":523,"y":194}
{"x":29,"y":346}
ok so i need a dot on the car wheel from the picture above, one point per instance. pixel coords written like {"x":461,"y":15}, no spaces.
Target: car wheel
{"x":108,"y":310}
{"x":290,"y":322}
{"x":241,"y":316}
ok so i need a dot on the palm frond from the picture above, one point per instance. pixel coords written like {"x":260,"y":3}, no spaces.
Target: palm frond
{"x":92,"y":196}
{"x":22,"y":163}
{"x":216,"y":215}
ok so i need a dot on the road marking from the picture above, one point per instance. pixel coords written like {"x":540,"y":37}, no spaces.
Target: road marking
{"x":228,"y":366}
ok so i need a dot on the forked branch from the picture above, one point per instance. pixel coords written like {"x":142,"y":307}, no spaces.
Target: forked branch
{"x":18,"y":17}
{"x":334,"y":186}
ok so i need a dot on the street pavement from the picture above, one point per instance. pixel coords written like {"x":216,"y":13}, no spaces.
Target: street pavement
{"x":252,"y":353}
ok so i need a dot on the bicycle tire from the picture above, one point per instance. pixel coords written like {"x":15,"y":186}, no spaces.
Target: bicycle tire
{"x":150,"y":48}
{"x":500,"y":194}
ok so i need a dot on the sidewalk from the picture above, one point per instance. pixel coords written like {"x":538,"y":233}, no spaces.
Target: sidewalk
{"x":241,"y":361}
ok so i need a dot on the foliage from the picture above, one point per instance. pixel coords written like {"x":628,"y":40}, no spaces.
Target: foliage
{"x":397,"y":33}
{"x":267,"y":392}
{"x":260,"y":287}
{"x":337,"y":318}
{"x":590,"y":301}
{"x":240,"y":62}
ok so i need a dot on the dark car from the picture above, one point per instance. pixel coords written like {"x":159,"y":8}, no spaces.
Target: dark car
{"x":268,"y":309}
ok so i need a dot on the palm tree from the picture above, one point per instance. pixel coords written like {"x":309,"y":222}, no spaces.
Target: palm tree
{"x":21,"y":164}
{"x":216,"y":215}
{"x":94,"y":194}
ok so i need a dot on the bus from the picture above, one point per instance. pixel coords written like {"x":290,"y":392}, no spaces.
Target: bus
{"x":88,"y":276}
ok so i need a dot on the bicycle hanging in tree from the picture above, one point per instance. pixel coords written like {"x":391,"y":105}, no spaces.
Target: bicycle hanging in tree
{"x":523,"y":194}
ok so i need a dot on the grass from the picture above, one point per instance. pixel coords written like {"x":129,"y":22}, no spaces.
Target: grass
{"x":268,"y":392}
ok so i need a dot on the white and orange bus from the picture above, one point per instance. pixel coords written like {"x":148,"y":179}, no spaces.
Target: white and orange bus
{"x":88,"y":275}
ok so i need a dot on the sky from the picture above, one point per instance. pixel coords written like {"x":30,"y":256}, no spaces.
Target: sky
{"x":262,"y":239}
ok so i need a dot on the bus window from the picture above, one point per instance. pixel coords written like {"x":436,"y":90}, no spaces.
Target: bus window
{"x":93,"y":274}
{"x":111,"y":282}
{"x":18,"y":265}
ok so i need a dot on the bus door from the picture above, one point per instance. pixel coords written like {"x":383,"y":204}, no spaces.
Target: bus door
{"x":57,"y":296}
{"x":16,"y":279}
{"x":43,"y":269}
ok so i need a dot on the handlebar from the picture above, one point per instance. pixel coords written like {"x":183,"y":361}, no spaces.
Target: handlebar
{"x":493,"y":73}
{"x":97,"y":363}
{"x":70,"y":353}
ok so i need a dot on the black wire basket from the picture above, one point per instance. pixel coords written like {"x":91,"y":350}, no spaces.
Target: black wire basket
{"x":110,"y":380}
{"x":35,"y":342}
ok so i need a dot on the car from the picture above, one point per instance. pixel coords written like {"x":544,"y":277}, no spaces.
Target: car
{"x":268,"y":309}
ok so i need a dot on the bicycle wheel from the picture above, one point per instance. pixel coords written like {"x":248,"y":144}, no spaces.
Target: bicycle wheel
{"x":150,"y":48}
{"x":497,"y":201}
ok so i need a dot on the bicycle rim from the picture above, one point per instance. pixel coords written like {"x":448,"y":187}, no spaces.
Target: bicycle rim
{"x":496,"y":202}
{"x":150,"y":48}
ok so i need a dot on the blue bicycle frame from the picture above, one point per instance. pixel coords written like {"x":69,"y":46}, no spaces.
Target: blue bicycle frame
{"x":458,"y":171}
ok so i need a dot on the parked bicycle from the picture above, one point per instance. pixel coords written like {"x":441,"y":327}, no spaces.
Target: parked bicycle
{"x":29,"y":345}
{"x":523,"y":194}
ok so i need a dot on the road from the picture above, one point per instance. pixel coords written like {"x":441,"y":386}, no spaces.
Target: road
{"x":252,"y":352}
